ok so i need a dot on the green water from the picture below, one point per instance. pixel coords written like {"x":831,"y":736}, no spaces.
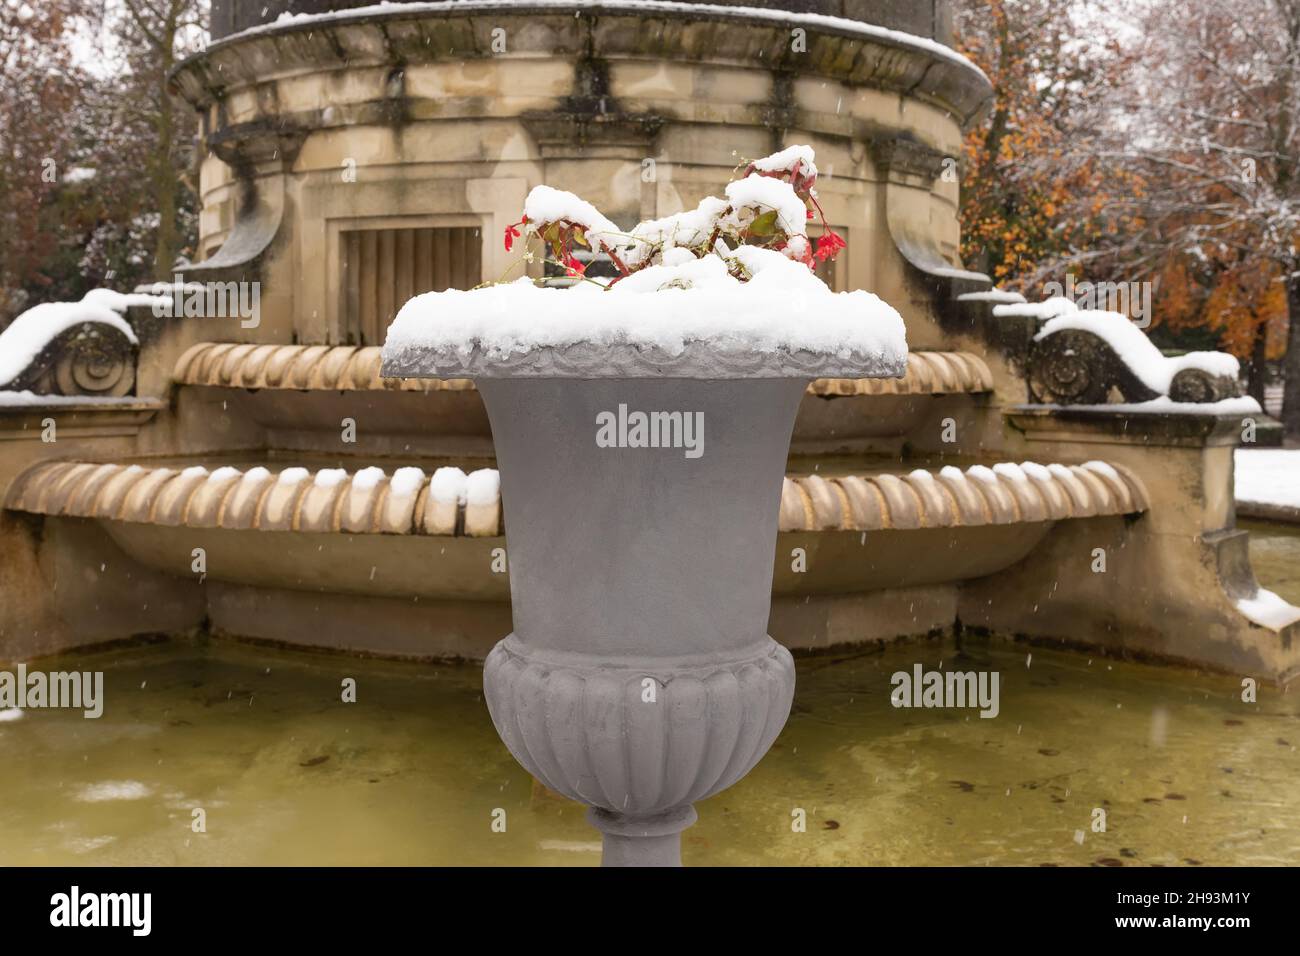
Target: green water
{"x":412,"y":773}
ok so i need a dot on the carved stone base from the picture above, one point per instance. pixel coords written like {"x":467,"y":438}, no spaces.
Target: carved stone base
{"x":638,"y":741}
{"x":642,"y":841}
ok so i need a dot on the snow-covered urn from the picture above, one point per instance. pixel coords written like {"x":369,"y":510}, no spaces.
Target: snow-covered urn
{"x":641,"y":430}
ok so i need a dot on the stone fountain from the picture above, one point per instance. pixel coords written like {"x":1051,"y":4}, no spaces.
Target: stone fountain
{"x":351,"y":159}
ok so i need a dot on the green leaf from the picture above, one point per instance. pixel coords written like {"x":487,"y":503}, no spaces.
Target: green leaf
{"x":764,"y":225}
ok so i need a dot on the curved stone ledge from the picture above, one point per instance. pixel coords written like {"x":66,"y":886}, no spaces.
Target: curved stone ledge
{"x":1003,"y":494}
{"x":295,"y":500}
{"x":850,"y":51}
{"x":331,"y":500}
{"x":331,"y":367}
{"x":349,"y":368}
{"x":585,"y":729}
{"x":928,"y":373}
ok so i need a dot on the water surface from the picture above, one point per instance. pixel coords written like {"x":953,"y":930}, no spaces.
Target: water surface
{"x":412,"y":772}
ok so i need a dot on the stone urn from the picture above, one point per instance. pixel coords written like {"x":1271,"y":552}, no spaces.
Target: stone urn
{"x":640,"y":491}
{"x":641,"y":428}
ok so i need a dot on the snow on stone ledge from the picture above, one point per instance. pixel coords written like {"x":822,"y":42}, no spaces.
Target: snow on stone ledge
{"x":1164,"y":405}
{"x":29,"y":399}
{"x":787,"y":18}
{"x":1047,"y":309}
{"x":784,"y":308}
{"x":1154,"y":370}
{"x":1268,"y":610}
{"x":995,"y":296}
{"x":34,"y":329}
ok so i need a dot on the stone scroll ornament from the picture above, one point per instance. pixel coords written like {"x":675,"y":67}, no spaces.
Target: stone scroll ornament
{"x":641,"y":428}
{"x":1092,"y":358}
{"x":83,"y":348}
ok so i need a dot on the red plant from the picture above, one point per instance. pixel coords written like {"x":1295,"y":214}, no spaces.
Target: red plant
{"x":829,"y":245}
{"x":512,"y":232}
{"x":763,"y":229}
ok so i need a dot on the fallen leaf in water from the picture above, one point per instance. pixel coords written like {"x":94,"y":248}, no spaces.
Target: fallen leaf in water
{"x":315,"y":761}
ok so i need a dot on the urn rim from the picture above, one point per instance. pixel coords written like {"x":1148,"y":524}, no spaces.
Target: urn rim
{"x":699,"y":359}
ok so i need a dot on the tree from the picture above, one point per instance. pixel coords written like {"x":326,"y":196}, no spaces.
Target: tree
{"x":39,"y":89}
{"x":1035,"y":198}
{"x":1211,"y":125}
{"x":157,"y":33}
{"x":78,"y":124}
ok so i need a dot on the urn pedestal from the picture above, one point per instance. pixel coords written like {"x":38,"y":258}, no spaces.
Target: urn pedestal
{"x":640,"y":494}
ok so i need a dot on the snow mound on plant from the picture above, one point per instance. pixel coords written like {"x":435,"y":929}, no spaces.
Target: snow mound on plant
{"x":783,"y":306}
{"x":1155,"y":370}
{"x":786,"y":159}
{"x":40,"y":325}
{"x":547,"y":204}
{"x":747,"y":200}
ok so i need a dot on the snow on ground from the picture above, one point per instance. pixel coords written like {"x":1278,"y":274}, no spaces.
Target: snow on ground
{"x":1268,"y":476}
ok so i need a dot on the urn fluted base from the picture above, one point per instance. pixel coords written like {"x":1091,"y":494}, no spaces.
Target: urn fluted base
{"x":638,"y":740}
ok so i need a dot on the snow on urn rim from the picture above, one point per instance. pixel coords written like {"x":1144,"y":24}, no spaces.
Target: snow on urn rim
{"x":726,"y":290}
